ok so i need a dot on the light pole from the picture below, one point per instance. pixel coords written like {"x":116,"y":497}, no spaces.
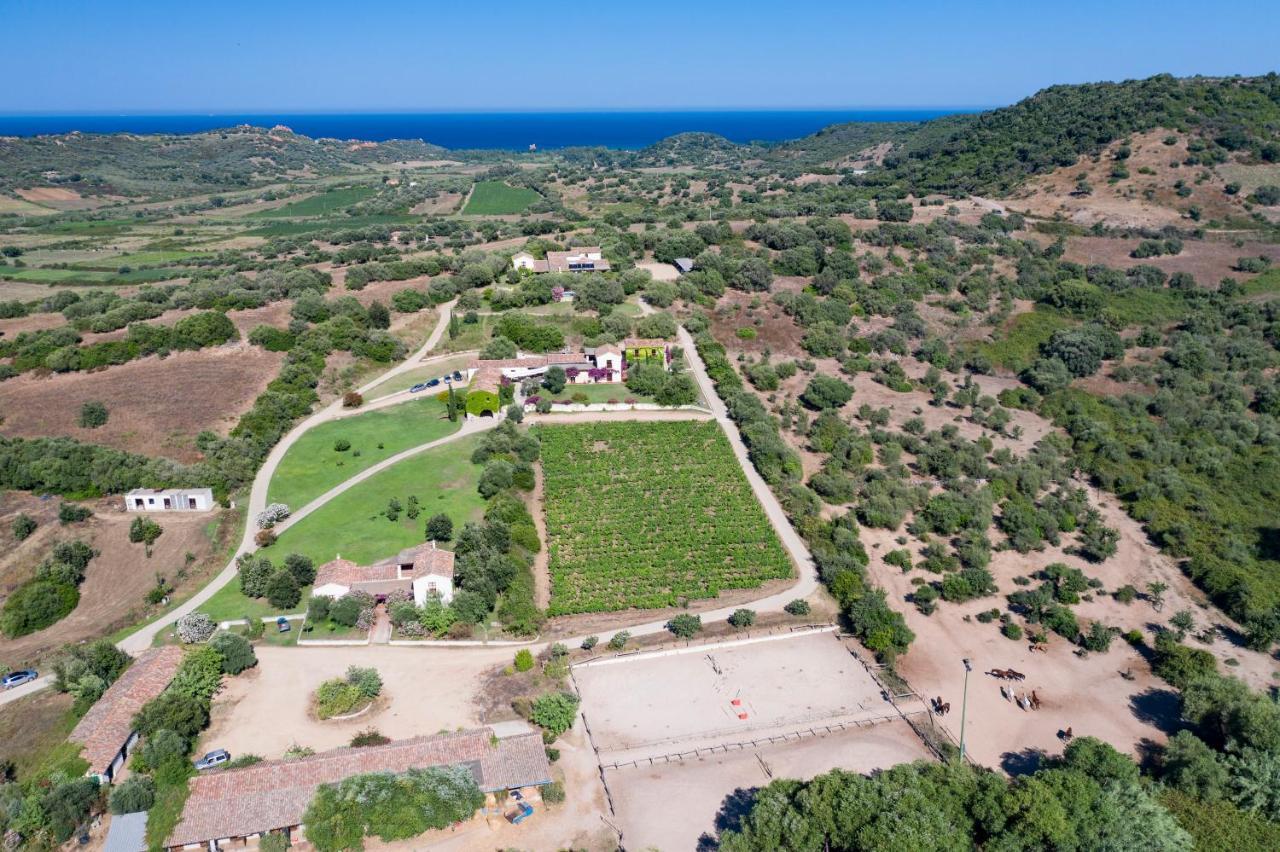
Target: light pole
{"x":964,"y":705}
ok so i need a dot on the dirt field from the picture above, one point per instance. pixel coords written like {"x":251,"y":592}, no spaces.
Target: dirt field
{"x":1090,"y":695}
{"x":647,"y":706}
{"x":659,"y":271}
{"x":1208,"y":261}
{"x":213,"y":386}
{"x":425,"y":691}
{"x":119,"y":577}
{"x":669,"y":807}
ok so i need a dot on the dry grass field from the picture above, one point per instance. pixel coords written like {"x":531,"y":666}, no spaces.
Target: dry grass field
{"x":157,"y":405}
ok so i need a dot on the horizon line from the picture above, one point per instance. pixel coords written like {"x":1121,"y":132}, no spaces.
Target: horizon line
{"x":141,"y":113}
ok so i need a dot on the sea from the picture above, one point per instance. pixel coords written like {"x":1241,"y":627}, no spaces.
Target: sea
{"x":623,"y":129}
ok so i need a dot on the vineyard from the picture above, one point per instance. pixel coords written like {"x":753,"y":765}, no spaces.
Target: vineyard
{"x":649,"y":514}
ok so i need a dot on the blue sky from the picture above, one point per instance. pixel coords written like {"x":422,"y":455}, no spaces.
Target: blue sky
{"x":392,"y":55}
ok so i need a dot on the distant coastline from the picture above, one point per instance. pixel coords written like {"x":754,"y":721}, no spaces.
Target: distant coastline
{"x":491,"y":130}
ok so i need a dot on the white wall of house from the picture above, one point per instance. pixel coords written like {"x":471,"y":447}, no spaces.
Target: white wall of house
{"x":610,"y":360}
{"x":432,"y":585}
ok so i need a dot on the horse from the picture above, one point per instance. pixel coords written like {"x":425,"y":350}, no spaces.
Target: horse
{"x":1035,"y":700}
{"x":1015,"y":675}
{"x":944,"y":709}
{"x":999,"y":674}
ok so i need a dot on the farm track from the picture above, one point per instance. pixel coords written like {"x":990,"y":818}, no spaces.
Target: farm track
{"x":806,"y":582}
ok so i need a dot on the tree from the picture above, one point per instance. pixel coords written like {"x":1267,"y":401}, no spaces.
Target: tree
{"x":555,"y":712}
{"x":185,"y":715}
{"x":742,"y":618}
{"x":144,"y":531}
{"x":236,"y":652}
{"x":282,"y":590}
{"x":379,"y":316}
{"x":1155,"y":594}
{"x":554,"y":380}
{"x":1182,"y":622}
{"x":135,"y":793}
{"x":825,"y":392}
{"x":93,"y":414}
{"x":497,"y":476}
{"x":439,"y":527}
{"x":799,"y":606}
{"x":685,"y":625}
{"x":302,"y":568}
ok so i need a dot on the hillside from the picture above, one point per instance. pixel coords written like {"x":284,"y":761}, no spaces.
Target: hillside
{"x":172,"y":165}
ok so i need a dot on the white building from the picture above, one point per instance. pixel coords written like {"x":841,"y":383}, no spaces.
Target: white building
{"x":169,"y":500}
{"x":582,"y":259}
{"x":425,"y":570}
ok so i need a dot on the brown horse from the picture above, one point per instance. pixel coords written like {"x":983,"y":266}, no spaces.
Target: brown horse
{"x":1035,"y":700}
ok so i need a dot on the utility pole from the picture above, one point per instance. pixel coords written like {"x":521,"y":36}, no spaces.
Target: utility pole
{"x":964,"y":706}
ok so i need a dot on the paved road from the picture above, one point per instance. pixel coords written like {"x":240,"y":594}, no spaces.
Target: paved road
{"x":142,"y":639}
{"x":26,"y":689}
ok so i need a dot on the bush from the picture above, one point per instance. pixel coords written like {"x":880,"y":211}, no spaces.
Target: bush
{"x":619,"y":640}
{"x":524,"y":660}
{"x":365,"y":679}
{"x":825,"y":392}
{"x":369,"y":737}
{"x":185,"y":715}
{"x":685,"y":625}
{"x":341,"y":445}
{"x":351,"y":399}
{"x":742,"y":618}
{"x":283,"y":591}
{"x":36,"y":605}
{"x":135,"y":793}
{"x":144,"y":531}
{"x":70,"y":513}
{"x":798,"y":606}
{"x":555,"y":713}
{"x":1011,"y":631}
{"x":590,"y":642}
{"x":195,"y":627}
{"x":23,"y":526}
{"x":236,"y":652}
{"x":93,"y":415}
{"x":553,"y":793}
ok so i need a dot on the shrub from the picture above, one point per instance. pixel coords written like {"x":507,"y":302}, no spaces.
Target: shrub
{"x":365,"y":679}
{"x":553,"y":793}
{"x":23,"y":526}
{"x":619,"y":640}
{"x":272,"y":515}
{"x":264,"y":538}
{"x":283,"y":591}
{"x":555,"y":713}
{"x":135,"y":793}
{"x":1011,"y":630}
{"x":93,"y":415}
{"x":524,"y":660}
{"x":35,"y":605}
{"x":341,"y":445}
{"x":369,"y":737}
{"x":336,"y":697}
{"x":685,"y":625}
{"x":346,"y":610}
{"x":742,"y":618}
{"x":162,"y":747}
{"x":185,"y":715}
{"x":144,"y":531}
{"x":236,"y":652}
{"x":70,"y":513}
{"x":590,"y":642}
{"x":351,"y":399}
{"x":195,"y":627}
{"x":798,"y":606}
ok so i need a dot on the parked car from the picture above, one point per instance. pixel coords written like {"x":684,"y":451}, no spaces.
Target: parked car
{"x":282,"y":625}
{"x":457,"y":375}
{"x":18,"y":678}
{"x":213,"y":759}
{"x":419,"y":387}
{"x":433,"y":383}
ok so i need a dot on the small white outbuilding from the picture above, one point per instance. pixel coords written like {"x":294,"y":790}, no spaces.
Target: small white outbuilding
{"x":169,"y":500}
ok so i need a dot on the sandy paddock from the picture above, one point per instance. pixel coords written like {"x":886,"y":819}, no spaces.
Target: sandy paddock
{"x":425,"y":691}
{"x":671,"y":806}
{"x":670,"y":702}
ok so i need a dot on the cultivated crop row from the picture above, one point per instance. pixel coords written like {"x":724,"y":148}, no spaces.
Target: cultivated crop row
{"x":646,"y":514}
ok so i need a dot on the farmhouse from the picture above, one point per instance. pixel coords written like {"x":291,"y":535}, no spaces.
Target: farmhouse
{"x":170,"y":500}
{"x":582,"y":259}
{"x":425,"y":571}
{"x":106,"y":731}
{"x":239,"y":805}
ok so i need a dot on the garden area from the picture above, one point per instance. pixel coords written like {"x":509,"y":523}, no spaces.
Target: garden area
{"x":377,"y":518}
{"x":648,"y":515}
{"x":337,"y":450}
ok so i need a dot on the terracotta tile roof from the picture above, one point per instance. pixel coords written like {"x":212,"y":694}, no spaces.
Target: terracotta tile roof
{"x":486,"y":379}
{"x":568,"y":358}
{"x":643,"y":342}
{"x":109,"y":723}
{"x":429,"y":559}
{"x":275,"y":794}
{"x":344,"y":572}
{"x":608,"y":347}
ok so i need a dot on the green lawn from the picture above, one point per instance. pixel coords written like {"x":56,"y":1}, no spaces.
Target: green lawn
{"x":599,"y":393}
{"x":228,"y":603}
{"x":332,"y":201}
{"x":142,"y":258}
{"x":312,"y":466}
{"x":410,"y":378}
{"x":495,"y":198}
{"x":472,"y":336}
{"x":353,"y":524}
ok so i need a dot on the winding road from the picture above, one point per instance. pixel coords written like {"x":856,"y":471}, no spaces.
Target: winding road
{"x":805,"y":584}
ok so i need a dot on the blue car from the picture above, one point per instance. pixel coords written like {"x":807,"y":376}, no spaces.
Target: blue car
{"x":419,"y":387}
{"x":18,"y":678}
{"x":433,"y":383}
{"x":282,"y":625}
